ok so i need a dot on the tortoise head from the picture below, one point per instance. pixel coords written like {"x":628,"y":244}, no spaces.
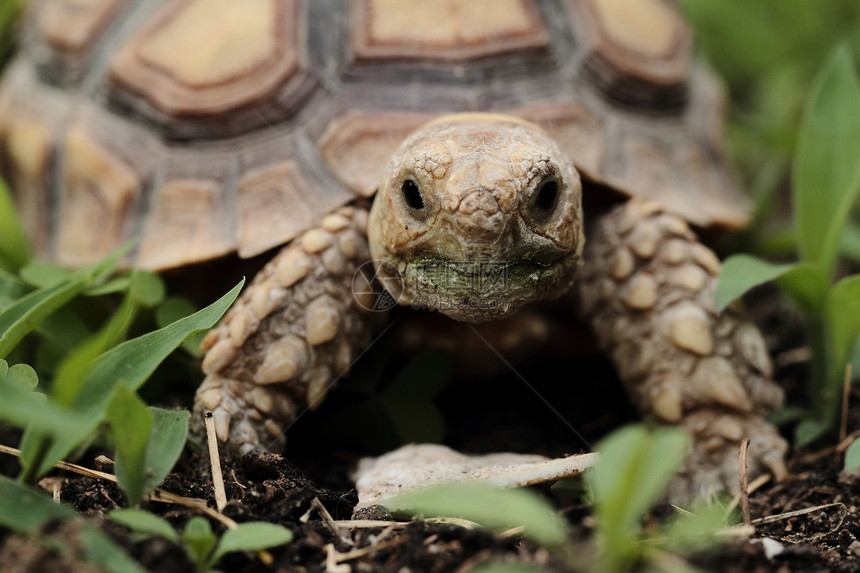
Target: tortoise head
{"x":477,"y":215}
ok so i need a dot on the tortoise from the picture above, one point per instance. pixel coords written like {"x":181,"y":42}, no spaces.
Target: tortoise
{"x":206,"y":127}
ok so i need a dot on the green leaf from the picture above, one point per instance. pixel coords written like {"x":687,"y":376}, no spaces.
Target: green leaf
{"x":852,"y":456}
{"x":826,"y":171}
{"x":21,"y":375}
{"x":117,"y":284}
{"x":73,"y":369}
{"x":130,"y":424}
{"x":507,"y":568}
{"x":409,"y":400}
{"x":166,"y":441}
{"x":492,"y":508}
{"x":198,"y":539}
{"x":129,"y":364}
{"x":634,"y":470}
{"x":132,"y":362}
{"x":251,"y":537}
{"x":850,"y":242}
{"x":172,"y":310}
{"x":104,"y":554}
{"x":693,"y":532}
{"x":14,"y":247}
{"x":29,"y":311}
{"x":24,"y":408}
{"x":144,"y":522}
{"x":805,"y":282}
{"x":39,"y":273}
{"x":843,"y":315}
{"x":740,"y":273}
{"x":147,"y":289}
{"x":809,"y":430}
{"x":26,"y":511}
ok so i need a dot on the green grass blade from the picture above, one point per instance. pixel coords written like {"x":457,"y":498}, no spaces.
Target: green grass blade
{"x":130,"y":364}
{"x":14,"y":247}
{"x":74,"y":368}
{"x":130,"y":424}
{"x":826,"y":172}
{"x":25,"y":314}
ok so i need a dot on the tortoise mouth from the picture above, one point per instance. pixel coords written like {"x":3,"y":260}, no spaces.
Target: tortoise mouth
{"x":480,"y":291}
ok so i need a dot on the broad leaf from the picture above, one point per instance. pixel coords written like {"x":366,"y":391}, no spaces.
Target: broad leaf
{"x":40,"y":273}
{"x":492,"y":508}
{"x":144,"y":522}
{"x":147,"y":289}
{"x":199,"y":539}
{"x":21,"y":375}
{"x":852,"y":457}
{"x":826,"y":173}
{"x":166,"y":441}
{"x":26,"y":409}
{"x":805,"y":282}
{"x":129,"y":364}
{"x":843,"y":315}
{"x":251,"y":537}
{"x":409,"y":400}
{"x":634,"y":470}
{"x":130,"y":424}
{"x":810,"y":430}
{"x":26,"y":511}
{"x":740,"y":273}
{"x":501,"y":567}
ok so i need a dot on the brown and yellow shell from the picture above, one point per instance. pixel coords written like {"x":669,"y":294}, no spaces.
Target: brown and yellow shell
{"x":203,"y":127}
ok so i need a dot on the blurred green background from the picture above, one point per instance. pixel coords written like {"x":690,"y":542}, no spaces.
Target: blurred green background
{"x":768,"y":51}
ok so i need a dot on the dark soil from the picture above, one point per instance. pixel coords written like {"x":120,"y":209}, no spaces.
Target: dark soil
{"x":499,"y":413}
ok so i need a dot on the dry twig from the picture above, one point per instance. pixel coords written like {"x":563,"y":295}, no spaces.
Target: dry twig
{"x":742,"y":477}
{"x":159,"y":494}
{"x":215,"y":462}
{"x":846,"y":389}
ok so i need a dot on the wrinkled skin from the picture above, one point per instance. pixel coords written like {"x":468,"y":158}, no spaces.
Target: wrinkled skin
{"x":478,"y":237}
{"x":476,"y":216}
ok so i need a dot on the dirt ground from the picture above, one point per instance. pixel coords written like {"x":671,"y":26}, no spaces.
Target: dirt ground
{"x":486,"y":415}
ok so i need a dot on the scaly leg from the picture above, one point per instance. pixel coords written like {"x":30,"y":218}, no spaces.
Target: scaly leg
{"x":292,"y":332}
{"x":647,"y":289}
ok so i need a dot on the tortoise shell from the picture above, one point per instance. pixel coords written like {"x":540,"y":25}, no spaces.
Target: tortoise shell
{"x":203,"y":127}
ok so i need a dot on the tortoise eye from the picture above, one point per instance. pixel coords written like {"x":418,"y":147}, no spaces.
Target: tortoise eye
{"x":546,"y":198}
{"x":412,"y":195}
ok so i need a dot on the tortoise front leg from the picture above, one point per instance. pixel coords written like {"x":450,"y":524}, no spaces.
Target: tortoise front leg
{"x":647,"y":289}
{"x":292,"y":332}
